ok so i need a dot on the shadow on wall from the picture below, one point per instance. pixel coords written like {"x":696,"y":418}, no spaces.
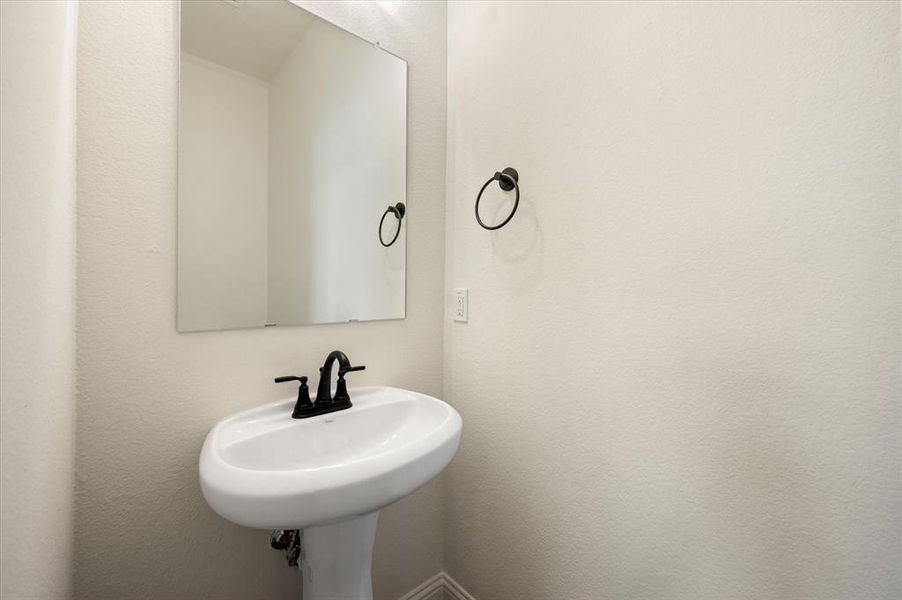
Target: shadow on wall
{"x":520,"y":241}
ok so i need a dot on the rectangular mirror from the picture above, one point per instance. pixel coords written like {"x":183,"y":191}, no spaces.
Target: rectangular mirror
{"x":292,"y":170}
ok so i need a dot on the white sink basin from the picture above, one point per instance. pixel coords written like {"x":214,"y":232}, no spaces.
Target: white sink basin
{"x":261,"y":468}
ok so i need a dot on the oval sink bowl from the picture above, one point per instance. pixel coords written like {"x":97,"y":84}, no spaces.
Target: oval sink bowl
{"x":261,"y":468}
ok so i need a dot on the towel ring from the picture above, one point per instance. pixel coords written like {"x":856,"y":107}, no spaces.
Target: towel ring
{"x":398,"y":210}
{"x":507,"y":181}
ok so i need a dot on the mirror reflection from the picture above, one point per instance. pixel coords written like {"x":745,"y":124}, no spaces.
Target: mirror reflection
{"x":292,"y":170}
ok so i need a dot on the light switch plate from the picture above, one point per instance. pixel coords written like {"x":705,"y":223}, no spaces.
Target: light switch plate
{"x":461,"y":296}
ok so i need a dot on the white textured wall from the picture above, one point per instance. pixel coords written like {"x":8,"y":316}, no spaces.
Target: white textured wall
{"x":681,"y":373}
{"x":148,"y":395}
{"x":223,"y":173}
{"x":338,"y":158}
{"x":37,"y":297}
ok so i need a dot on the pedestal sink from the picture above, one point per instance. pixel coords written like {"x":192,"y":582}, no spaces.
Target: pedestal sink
{"x":328,"y":475}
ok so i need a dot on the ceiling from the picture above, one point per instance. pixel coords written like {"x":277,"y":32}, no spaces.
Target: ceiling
{"x":253,"y":36}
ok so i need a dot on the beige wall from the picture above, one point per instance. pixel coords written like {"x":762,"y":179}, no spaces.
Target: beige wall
{"x":37,"y":297}
{"x":681,"y":372}
{"x":147,"y":395}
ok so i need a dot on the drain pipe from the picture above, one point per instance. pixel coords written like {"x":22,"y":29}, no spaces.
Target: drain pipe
{"x":289,"y":541}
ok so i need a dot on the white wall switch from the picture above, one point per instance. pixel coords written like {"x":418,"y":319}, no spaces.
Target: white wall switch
{"x":460,"y":304}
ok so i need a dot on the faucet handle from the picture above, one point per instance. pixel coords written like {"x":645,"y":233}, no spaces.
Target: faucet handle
{"x":344,"y":370}
{"x":341,"y":389}
{"x":303,"y":402}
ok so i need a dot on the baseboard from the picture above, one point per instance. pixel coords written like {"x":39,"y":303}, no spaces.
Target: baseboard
{"x":431,"y":589}
{"x":453,"y":590}
{"x":438,"y":587}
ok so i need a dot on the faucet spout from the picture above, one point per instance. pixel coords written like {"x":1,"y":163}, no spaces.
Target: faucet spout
{"x":324,"y":389}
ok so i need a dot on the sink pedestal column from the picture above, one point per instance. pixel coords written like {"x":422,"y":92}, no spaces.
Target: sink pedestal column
{"x":337,"y":560}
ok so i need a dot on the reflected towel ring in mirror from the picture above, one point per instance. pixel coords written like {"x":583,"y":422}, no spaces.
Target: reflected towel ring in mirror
{"x":507,"y":181}
{"x":398,"y":210}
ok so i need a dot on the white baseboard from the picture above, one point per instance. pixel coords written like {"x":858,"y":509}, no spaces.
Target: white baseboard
{"x":453,"y":590}
{"x":438,"y":587}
